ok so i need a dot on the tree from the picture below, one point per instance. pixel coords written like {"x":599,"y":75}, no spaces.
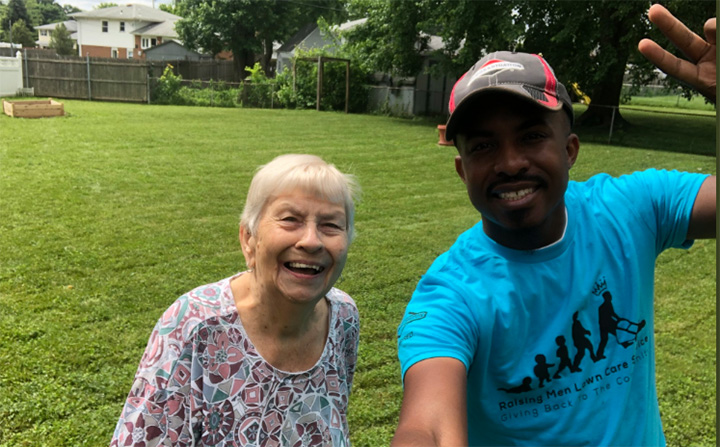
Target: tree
{"x":3,"y":9}
{"x":14,"y":12}
{"x":47,"y":10}
{"x":70,"y":9}
{"x":104,"y":5}
{"x":33,"y":10}
{"x":22,"y":35}
{"x":587,"y":42}
{"x":248,"y":28}
{"x":592,"y":43}
{"x":399,"y":23}
{"x":173,"y":8}
{"x":61,"y":42}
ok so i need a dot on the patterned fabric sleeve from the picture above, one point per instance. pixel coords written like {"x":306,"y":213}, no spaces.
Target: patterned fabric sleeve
{"x":157,"y":410}
{"x":352,"y":340}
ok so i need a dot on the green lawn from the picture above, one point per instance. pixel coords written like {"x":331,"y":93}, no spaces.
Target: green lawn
{"x":676,"y":102}
{"x":110,"y":213}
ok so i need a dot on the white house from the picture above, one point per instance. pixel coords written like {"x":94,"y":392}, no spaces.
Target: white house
{"x":123,"y":31}
{"x":45,"y":32}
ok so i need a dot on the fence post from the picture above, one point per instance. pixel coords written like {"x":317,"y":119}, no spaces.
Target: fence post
{"x":148,"y":88}
{"x":27,"y":79}
{"x":319,"y":82}
{"x":612,"y":121}
{"x":87,"y":59}
{"x":347,"y":86}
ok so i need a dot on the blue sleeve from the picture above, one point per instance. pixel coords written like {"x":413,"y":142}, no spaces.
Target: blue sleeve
{"x":438,"y":322}
{"x":669,"y":197}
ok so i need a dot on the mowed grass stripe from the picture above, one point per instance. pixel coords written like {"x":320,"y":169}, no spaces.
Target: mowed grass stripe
{"x":108,"y":214}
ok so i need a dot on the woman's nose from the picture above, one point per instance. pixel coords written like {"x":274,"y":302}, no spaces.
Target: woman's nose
{"x":310,"y":239}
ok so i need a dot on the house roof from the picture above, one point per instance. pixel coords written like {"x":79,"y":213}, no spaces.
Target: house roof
{"x":128,"y":12}
{"x":71,"y":26}
{"x":305,"y":31}
{"x":351,"y":24}
{"x":168,"y":44}
{"x":298,"y":37}
{"x":164,"y":29}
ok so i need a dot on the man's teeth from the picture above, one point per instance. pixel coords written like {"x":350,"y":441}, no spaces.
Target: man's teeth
{"x":298,"y":265}
{"x":515,"y":195}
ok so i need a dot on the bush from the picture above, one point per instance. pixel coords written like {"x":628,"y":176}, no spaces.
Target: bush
{"x":259,"y":90}
{"x":167,"y":88}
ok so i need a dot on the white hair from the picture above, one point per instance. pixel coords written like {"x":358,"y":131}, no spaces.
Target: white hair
{"x":309,"y":173}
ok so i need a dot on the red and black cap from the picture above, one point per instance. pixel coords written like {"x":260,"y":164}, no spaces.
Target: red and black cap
{"x":525,"y":75}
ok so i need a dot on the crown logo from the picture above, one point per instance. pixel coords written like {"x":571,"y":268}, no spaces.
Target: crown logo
{"x":600,"y":287}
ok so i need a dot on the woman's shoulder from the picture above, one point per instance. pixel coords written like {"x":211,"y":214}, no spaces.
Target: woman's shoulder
{"x":336,"y":295}
{"x":193,"y":308}
{"x":345,"y":304}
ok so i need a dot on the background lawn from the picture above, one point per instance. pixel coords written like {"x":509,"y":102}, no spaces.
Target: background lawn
{"x":110,"y":213}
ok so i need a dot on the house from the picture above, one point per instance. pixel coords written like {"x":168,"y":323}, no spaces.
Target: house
{"x":123,"y":31}
{"x":307,"y":38}
{"x":422,"y":94}
{"x":45,"y":32}
{"x":172,"y":50}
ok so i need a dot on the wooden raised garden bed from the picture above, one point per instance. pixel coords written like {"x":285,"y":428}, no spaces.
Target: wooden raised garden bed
{"x":33,"y":109}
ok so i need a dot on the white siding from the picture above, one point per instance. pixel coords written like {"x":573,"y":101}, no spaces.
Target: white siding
{"x":90,"y":33}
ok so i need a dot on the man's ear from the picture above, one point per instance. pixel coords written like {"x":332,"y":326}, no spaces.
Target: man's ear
{"x":459,"y":168}
{"x":572,"y":147}
{"x":247,"y":242}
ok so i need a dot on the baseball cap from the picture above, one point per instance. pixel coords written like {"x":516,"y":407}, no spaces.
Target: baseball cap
{"x":522,"y":74}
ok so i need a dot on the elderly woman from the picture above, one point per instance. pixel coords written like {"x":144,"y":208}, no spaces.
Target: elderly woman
{"x":267,"y":356}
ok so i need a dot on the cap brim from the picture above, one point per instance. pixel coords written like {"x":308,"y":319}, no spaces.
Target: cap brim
{"x":470,"y":102}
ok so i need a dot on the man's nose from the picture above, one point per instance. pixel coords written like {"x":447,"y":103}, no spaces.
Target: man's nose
{"x":511,"y":160}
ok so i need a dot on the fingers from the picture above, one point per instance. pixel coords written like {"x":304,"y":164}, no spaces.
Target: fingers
{"x":709,"y":29}
{"x":658,"y":56}
{"x":692,"y":45}
{"x":673,"y":66}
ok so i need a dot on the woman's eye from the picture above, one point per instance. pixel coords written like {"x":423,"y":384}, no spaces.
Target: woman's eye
{"x":289,"y":219}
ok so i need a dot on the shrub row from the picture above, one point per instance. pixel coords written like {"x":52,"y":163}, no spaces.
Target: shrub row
{"x":260,"y":91}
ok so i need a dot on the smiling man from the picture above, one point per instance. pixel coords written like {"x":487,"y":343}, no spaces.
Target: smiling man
{"x":479,"y":342}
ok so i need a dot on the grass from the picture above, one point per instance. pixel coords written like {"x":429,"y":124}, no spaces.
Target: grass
{"x":696,"y":104}
{"x":110,"y":213}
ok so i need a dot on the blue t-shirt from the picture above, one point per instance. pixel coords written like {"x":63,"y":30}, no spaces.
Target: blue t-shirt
{"x":558,"y":342}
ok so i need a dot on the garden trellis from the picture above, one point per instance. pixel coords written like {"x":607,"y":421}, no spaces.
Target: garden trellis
{"x":321,"y":61}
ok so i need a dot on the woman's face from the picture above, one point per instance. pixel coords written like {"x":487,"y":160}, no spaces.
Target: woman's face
{"x":300,"y":247}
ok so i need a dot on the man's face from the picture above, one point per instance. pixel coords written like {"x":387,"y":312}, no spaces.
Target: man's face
{"x":514,"y":159}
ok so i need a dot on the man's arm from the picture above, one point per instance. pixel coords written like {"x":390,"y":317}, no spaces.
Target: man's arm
{"x":703,"y":219}
{"x":433,"y":411}
{"x":700,"y":73}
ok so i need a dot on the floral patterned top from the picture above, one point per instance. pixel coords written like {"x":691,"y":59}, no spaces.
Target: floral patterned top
{"x":201,"y":382}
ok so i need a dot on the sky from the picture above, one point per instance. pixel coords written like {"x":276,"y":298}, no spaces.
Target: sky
{"x":89,"y":5}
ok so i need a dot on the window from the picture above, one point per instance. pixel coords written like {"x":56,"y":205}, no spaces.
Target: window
{"x":146,"y":42}
{"x":114,"y":53}
{"x":104,"y":26}
{"x":43,"y":32}
{"x":122,"y":27}
{"x":130,"y":54}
